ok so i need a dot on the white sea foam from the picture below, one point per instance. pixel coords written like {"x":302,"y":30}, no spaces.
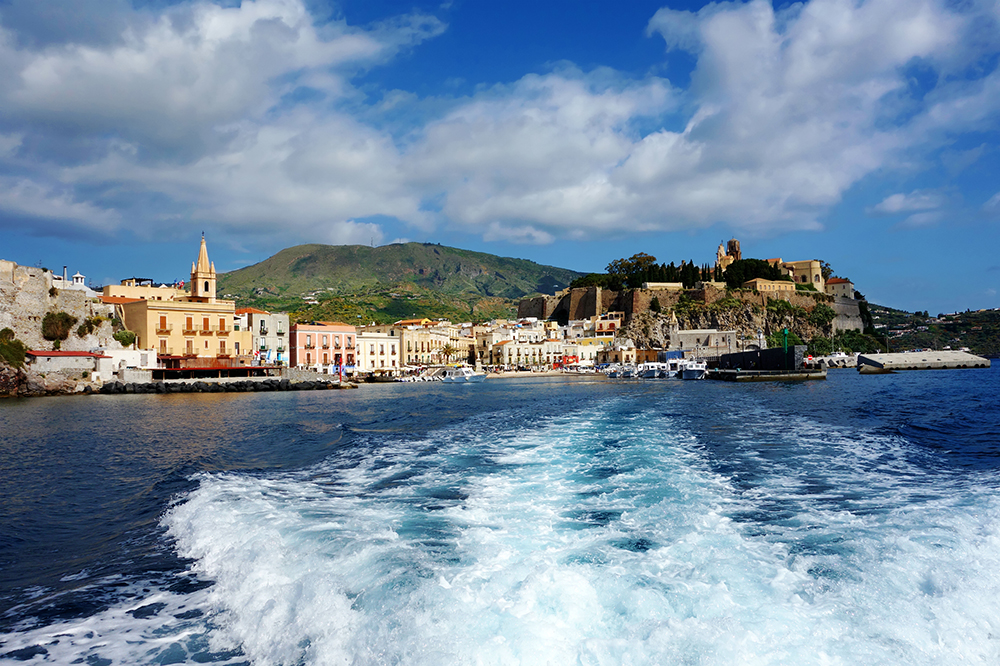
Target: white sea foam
{"x":590,"y":539}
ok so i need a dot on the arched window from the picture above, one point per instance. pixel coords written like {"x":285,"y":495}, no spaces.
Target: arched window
{"x":206,"y":286}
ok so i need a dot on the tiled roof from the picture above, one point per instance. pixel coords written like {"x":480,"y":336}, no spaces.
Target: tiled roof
{"x":837,"y":281}
{"x":243,"y":311}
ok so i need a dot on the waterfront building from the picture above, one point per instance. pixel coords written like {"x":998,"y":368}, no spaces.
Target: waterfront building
{"x":269,"y":334}
{"x":378,"y":352}
{"x":185,"y":329}
{"x":322,"y":346}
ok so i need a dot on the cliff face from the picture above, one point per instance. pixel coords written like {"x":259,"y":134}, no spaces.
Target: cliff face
{"x":26,"y":383}
{"x":652,"y":330}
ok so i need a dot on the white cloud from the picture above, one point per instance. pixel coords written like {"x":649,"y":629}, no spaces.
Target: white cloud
{"x":23,"y":198}
{"x":918,"y":200}
{"x":784,"y":114}
{"x":992,"y":206}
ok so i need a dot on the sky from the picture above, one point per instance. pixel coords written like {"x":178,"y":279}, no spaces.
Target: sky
{"x":570,"y":132}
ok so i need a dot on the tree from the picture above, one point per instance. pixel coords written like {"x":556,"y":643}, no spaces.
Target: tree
{"x":654,"y":304}
{"x":743,"y":270}
{"x":826,"y":269}
{"x":448,"y":351}
{"x":634,"y":264}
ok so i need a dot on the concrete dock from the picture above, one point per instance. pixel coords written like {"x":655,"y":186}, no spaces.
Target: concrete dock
{"x":732,"y":375}
{"x":873,"y":364}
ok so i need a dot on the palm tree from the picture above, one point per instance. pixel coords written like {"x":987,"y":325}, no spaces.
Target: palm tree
{"x":448,"y":351}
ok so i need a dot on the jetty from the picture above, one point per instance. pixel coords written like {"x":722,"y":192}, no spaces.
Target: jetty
{"x":739,"y":375}
{"x":877,"y":364}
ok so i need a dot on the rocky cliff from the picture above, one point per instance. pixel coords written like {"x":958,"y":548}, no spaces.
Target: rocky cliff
{"x":27,"y":294}
{"x":652,"y":330}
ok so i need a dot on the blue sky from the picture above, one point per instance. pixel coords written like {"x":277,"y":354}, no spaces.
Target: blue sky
{"x":567,"y":132}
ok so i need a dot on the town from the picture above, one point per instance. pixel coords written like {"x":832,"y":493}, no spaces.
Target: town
{"x":139,"y":330}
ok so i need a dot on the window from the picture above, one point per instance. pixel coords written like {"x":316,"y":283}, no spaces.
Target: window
{"x":206,"y":286}
{"x":222,"y":323}
{"x":205,"y":326}
{"x":392,"y":349}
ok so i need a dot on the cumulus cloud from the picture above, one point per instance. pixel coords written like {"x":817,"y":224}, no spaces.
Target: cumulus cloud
{"x":247,"y":117}
{"x":23,"y":199}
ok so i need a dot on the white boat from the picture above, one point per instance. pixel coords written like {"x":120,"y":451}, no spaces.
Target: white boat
{"x":694,"y":369}
{"x":462,"y":375}
{"x":628,"y":372}
{"x":648,"y":370}
{"x":672,"y":369}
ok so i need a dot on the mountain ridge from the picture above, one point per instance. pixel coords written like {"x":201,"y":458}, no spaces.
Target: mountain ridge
{"x":302,"y":271}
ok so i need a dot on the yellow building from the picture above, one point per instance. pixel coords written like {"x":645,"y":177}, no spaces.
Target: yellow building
{"x":808,"y":271}
{"x":770,"y":286}
{"x":187,"y":329}
{"x":144,"y":289}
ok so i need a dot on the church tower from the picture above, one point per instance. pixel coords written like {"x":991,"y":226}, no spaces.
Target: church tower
{"x":203,"y":277}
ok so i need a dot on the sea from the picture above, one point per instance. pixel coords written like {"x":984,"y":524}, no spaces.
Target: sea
{"x":521,"y":521}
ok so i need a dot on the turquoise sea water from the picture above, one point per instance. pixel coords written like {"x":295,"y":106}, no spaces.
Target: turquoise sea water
{"x":520,"y":521}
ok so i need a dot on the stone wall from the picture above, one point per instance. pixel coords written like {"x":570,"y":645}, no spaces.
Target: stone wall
{"x":27,"y":294}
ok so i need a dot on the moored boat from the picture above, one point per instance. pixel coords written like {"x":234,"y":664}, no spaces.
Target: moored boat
{"x":694,"y":369}
{"x":462,"y":375}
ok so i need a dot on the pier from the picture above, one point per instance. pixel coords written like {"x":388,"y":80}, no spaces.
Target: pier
{"x":875,"y":364}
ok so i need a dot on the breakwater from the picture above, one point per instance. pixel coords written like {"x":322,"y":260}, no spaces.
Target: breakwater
{"x":243,"y":386}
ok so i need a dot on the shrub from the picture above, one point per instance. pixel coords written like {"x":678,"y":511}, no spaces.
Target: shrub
{"x":654,"y":305}
{"x":57,"y":325}
{"x":821,"y":315}
{"x":89,"y":326}
{"x":12,"y":350}
{"x":125,"y":337}
{"x":820,"y":346}
{"x":778,"y":339}
{"x":6,"y":335}
{"x":53,"y":291}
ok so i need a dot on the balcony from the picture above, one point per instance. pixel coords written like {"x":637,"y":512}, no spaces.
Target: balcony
{"x":309,"y":345}
{"x":280,"y":332}
{"x":326,"y":346}
{"x":165,"y":351}
{"x":164,"y":328}
{"x":349,"y":347}
{"x":279,"y":349}
{"x":262,"y":348}
{"x":205,"y":330}
{"x":263,"y":330}
{"x":190,"y":329}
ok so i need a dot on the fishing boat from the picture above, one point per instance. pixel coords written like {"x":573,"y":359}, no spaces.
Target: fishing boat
{"x":462,"y":375}
{"x":694,"y":369}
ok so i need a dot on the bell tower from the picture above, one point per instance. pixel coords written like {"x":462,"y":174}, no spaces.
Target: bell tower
{"x":203,"y":277}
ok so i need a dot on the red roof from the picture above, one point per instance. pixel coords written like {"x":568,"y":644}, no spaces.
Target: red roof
{"x":837,"y":281}
{"x":243,"y":311}
{"x":65,"y":353}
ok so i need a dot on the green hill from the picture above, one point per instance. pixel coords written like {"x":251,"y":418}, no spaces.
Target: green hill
{"x":390,"y":278}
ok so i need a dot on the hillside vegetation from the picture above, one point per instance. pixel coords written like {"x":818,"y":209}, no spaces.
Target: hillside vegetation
{"x":306,"y":271}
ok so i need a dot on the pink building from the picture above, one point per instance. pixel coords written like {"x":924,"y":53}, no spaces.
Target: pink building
{"x":322,"y":344}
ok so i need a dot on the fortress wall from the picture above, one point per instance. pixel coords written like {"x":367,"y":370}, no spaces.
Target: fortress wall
{"x":848,"y":314}
{"x":26,"y":295}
